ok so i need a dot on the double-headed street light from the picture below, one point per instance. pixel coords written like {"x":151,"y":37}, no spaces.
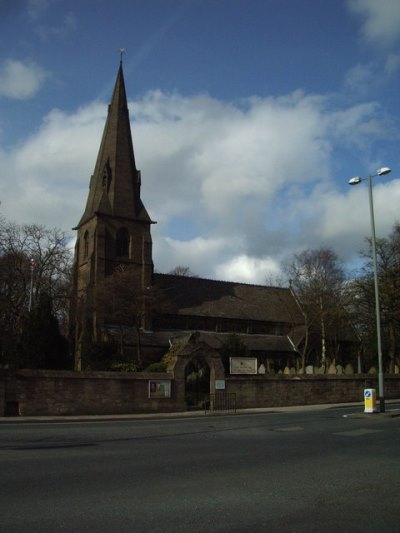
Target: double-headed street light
{"x":355,"y":181}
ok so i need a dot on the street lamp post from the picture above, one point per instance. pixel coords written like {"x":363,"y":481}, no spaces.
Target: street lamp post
{"x":32,"y":264}
{"x":355,"y":181}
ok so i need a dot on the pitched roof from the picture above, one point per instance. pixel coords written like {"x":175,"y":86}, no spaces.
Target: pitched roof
{"x":192,"y":296}
{"x":115,"y":184}
{"x":264,"y":343}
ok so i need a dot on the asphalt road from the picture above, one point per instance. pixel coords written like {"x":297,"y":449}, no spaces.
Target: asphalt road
{"x":314,"y":471}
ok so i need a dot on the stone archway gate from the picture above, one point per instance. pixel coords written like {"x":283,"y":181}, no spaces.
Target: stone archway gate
{"x":193,"y":355}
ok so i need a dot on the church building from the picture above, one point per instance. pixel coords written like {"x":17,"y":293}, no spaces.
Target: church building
{"x":115,"y":230}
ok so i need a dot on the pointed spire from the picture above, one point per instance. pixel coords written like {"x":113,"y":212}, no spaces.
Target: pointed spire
{"x":115,"y":184}
{"x":122,"y":51}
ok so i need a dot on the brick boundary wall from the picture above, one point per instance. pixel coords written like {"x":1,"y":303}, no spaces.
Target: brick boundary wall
{"x":52,"y":393}
{"x":49,"y":393}
{"x":278,"y":391}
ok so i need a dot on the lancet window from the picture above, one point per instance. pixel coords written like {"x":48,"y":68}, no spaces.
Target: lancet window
{"x":122,"y":243}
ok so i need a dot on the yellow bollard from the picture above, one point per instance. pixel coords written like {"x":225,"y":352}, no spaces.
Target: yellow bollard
{"x":369,"y":401}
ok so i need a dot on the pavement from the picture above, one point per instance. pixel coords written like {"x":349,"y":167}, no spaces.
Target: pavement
{"x":390,"y":412}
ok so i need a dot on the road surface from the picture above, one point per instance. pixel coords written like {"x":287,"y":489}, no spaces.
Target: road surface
{"x":303,"y":471}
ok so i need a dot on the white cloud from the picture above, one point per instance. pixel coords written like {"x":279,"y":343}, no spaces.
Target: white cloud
{"x":62,"y":143}
{"x":359,"y":78}
{"x":392,"y":64}
{"x":247,"y":269}
{"x":346,"y":217}
{"x":36,"y":8}
{"x":252,"y":181}
{"x":222,"y":154}
{"x":340,"y":219}
{"x":353,"y":126}
{"x":40,"y":13}
{"x":20,"y":80}
{"x":375,"y":76}
{"x":199,"y":254}
{"x":216,"y":258}
{"x":48,"y":176}
{"x":381,"y":19}
{"x":66,"y":25}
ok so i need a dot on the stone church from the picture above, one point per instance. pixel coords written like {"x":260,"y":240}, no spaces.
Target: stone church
{"x":115,"y":229}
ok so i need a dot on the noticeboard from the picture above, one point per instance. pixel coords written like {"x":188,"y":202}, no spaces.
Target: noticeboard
{"x":243,"y":365}
{"x":160,"y":388}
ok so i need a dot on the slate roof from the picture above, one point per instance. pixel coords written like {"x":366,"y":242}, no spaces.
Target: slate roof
{"x":267,"y":343}
{"x":191,"y":296}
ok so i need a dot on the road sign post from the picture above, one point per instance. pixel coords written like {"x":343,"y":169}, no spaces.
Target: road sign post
{"x":369,"y":401}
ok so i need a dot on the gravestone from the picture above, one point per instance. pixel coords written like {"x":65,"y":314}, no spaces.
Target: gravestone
{"x":348,"y":369}
{"x":332,"y":369}
{"x":339,"y":369}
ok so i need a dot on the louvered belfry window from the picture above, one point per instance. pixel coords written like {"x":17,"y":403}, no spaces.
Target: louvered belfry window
{"x":122,"y":243}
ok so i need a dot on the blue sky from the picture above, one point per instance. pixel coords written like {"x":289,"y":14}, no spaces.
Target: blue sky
{"x":248,"y":119}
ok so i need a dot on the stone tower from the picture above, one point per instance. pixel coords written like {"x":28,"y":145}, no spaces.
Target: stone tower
{"x":115,"y":226}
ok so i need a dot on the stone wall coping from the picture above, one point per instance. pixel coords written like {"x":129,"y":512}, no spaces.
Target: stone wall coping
{"x":308,"y":377}
{"x":70,"y":374}
{"x":145,"y":376}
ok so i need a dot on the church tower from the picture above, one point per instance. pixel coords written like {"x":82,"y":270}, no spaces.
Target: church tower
{"x":115,"y":226}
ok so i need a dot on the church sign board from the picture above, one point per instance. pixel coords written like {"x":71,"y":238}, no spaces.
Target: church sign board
{"x":243,"y":365}
{"x":160,"y":388}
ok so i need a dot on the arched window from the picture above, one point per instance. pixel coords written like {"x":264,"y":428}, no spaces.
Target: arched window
{"x":122,"y":243}
{"x":86,"y":245}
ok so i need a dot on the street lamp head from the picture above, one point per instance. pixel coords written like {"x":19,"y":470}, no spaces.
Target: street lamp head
{"x":383,"y":171}
{"x":355,"y":181}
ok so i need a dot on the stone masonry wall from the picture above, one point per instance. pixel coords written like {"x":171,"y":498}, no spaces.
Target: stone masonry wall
{"x":275,"y":391}
{"x":52,"y":393}
{"x":46,"y":393}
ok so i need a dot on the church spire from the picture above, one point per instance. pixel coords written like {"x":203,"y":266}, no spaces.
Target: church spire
{"x":115,"y":184}
{"x":115,"y":227}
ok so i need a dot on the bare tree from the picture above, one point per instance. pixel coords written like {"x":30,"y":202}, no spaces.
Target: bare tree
{"x":388,"y":259}
{"x":33,"y":251}
{"x":182,"y":271}
{"x":124,"y":307}
{"x":34,"y":260}
{"x":119,"y":305}
{"x":317,"y":279}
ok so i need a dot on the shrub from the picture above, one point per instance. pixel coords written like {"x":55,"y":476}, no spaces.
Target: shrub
{"x":161,"y":366}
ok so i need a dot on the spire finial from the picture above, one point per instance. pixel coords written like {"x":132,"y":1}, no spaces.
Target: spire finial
{"x":122,"y":51}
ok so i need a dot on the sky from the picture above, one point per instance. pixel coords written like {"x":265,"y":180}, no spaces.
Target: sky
{"x":248,"y":119}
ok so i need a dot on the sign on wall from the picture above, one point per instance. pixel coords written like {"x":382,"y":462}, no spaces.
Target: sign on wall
{"x":243,"y":365}
{"x":160,"y":388}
